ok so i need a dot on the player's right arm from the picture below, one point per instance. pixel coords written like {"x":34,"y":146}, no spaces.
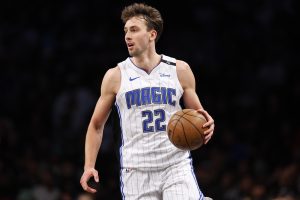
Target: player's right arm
{"x":109,"y":88}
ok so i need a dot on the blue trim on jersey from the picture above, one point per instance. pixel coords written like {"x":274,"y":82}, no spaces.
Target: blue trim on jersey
{"x":193,"y":173}
{"x":121,"y":157}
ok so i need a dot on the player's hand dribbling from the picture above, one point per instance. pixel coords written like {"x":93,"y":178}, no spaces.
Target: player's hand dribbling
{"x":87,"y":174}
{"x":210,"y":124}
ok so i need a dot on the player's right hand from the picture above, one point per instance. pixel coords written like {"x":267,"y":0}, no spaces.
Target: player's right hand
{"x":87,"y":174}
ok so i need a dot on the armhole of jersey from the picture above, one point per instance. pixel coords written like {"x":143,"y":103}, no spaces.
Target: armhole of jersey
{"x":177,"y":79}
{"x":121,"y":82}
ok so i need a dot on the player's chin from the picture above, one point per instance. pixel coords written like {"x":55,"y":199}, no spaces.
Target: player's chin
{"x":132,"y":53}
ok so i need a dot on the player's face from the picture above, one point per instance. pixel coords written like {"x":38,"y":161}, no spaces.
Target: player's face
{"x":137,"y":37}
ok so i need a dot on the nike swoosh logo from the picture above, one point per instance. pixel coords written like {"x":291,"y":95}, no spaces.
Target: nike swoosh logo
{"x":132,"y":79}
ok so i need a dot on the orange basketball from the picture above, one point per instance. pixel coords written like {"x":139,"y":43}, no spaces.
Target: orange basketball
{"x":185,"y":129}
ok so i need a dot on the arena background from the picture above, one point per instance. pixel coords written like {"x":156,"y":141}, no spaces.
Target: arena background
{"x":245,"y":54}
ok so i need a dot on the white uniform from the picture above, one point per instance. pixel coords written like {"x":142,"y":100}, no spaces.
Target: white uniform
{"x":151,"y":166}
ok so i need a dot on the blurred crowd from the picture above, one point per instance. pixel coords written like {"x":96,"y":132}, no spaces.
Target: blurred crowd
{"x":53,"y":56}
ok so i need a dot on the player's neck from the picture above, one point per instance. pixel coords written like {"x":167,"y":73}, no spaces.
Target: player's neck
{"x":147,"y":62}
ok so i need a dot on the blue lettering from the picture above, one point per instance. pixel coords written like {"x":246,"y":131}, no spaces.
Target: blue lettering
{"x":148,"y":95}
{"x":145,"y":96}
{"x":163,"y":92}
{"x":156,"y":97}
{"x":133,"y":98}
{"x":171,"y":92}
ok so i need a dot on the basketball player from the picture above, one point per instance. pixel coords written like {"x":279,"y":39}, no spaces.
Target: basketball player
{"x":146,"y":89}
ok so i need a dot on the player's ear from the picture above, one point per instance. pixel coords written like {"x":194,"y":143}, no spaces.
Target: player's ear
{"x":153,"y":34}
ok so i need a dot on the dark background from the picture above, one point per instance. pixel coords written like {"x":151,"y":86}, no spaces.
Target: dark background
{"x":244,"y":54}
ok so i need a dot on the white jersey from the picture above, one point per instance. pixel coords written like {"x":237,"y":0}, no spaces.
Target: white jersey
{"x":145,"y":103}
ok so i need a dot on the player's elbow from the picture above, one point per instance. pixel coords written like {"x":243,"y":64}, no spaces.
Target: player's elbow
{"x":96,"y":126}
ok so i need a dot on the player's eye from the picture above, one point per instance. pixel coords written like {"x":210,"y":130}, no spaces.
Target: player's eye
{"x":134,"y":29}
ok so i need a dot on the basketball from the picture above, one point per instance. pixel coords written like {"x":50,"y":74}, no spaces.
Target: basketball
{"x":185,"y":129}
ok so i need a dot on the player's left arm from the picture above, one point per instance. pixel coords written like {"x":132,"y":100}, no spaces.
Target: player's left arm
{"x":190,"y":97}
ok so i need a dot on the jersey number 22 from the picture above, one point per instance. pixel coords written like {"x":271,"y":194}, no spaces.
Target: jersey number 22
{"x":158,"y":116}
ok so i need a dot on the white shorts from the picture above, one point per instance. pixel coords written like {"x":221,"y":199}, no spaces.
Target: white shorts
{"x":177,"y":182}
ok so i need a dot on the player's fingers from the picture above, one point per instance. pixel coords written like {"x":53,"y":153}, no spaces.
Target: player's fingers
{"x":85,"y":186}
{"x":208,"y":123}
{"x":83,"y":183}
{"x":85,"y":178}
{"x":207,"y":138}
{"x":209,"y":119}
{"x":210,"y":127}
{"x":91,"y":190}
{"x":208,"y":134}
{"x":96,"y":176}
{"x":88,"y":188}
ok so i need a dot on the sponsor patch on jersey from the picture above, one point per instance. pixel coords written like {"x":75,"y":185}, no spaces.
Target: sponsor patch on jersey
{"x":164,"y":75}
